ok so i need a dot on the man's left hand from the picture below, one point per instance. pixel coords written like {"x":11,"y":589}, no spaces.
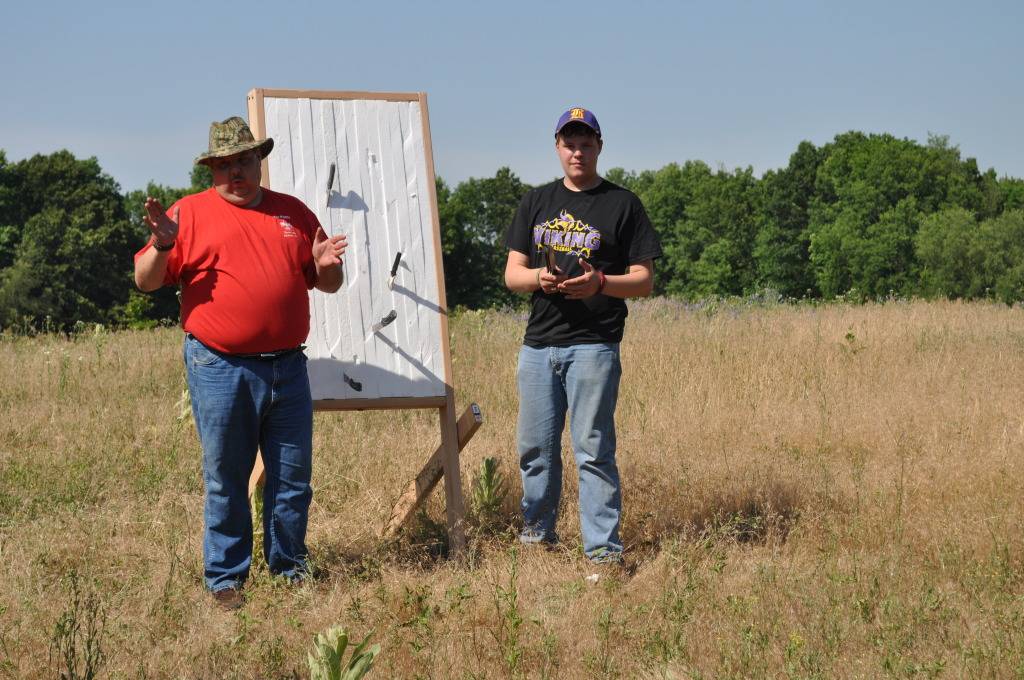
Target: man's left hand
{"x":583,"y":286}
{"x":328,"y":251}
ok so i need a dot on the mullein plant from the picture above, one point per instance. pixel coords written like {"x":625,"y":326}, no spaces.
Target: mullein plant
{"x":489,"y":493}
{"x":328,"y":655}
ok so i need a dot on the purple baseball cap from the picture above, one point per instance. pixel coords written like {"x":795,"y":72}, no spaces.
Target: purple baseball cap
{"x":578,"y":115}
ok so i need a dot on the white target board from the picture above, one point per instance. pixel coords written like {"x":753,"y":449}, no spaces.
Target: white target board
{"x":380,"y":341}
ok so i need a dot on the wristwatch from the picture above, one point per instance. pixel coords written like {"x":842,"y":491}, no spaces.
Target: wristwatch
{"x":162,"y":248}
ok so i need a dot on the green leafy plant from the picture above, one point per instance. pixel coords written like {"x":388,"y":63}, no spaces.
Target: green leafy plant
{"x":510,"y":620}
{"x":326,"y":659}
{"x":489,"y":493}
{"x":76,"y":641}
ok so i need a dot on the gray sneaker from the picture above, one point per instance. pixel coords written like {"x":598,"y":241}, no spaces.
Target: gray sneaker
{"x":548,"y":541}
{"x":606,"y":556}
{"x":607,"y":564}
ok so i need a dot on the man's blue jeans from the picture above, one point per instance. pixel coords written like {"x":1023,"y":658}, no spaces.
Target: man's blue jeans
{"x":239,"y":405}
{"x":583,"y":381}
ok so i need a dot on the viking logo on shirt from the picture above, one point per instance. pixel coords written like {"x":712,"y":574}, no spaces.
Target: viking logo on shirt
{"x":287,"y":230}
{"x":567,"y":234}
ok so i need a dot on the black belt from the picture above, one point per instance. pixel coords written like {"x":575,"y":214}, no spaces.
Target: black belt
{"x":270,"y":356}
{"x":260,"y":356}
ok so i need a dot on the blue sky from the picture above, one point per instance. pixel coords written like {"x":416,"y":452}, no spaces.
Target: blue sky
{"x":732,"y":83}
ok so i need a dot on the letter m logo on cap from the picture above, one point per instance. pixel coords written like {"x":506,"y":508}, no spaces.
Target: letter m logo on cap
{"x":577,"y":113}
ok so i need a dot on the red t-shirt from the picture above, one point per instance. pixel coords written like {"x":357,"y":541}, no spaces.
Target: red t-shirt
{"x":244,"y":272}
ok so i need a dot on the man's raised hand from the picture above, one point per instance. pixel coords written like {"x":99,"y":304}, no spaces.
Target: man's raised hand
{"x":164,"y":228}
{"x":328,"y":251}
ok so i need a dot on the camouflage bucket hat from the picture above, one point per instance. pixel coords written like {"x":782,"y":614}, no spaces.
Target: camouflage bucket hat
{"x":233,"y":136}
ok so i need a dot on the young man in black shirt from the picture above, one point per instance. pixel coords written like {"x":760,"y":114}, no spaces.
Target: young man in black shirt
{"x":603,"y":248}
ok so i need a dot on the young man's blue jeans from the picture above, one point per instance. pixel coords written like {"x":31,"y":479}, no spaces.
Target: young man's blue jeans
{"x":583,"y":381}
{"x":241,"y":404}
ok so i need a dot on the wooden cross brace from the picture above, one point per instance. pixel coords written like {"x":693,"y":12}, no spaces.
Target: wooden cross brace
{"x":418,"y":489}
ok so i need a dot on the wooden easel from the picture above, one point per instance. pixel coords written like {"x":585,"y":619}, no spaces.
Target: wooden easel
{"x":455,"y":434}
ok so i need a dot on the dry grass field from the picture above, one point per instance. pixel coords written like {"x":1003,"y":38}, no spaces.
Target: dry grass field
{"x":810,"y":492}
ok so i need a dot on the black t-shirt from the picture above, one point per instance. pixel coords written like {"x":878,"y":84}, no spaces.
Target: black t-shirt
{"x":608,"y":227}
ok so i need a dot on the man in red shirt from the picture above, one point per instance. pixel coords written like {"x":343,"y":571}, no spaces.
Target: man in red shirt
{"x":245,"y":258}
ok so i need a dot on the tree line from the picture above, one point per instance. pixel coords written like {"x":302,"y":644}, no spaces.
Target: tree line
{"x":863,"y":217}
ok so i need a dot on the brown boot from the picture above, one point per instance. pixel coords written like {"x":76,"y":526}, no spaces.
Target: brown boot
{"x":228,"y":599}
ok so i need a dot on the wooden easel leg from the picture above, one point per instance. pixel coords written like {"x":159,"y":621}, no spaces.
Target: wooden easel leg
{"x":257,"y":475}
{"x":455,"y":507}
{"x":419,"y":488}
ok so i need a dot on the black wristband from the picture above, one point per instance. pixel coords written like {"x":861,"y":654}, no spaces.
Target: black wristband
{"x":162,"y":248}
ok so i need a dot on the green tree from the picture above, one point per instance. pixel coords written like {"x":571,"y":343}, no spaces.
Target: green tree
{"x":624,"y":179}
{"x":709,"y":251}
{"x":948,"y":181}
{"x":10,"y":218}
{"x":474,"y":218}
{"x":72,"y":243}
{"x":1011,"y":192}
{"x":1000,"y":250}
{"x":948,"y":252}
{"x":726,"y":209}
{"x":666,"y":195}
{"x":868,"y":259}
{"x":782,"y":245}
{"x":201,"y":178}
{"x":871,"y":192}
